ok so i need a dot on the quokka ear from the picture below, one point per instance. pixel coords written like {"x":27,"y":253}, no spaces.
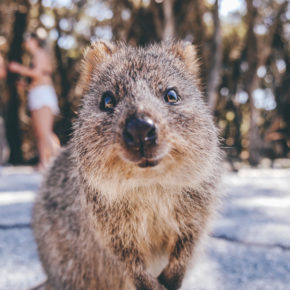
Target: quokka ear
{"x":186,"y":52}
{"x":94,"y":55}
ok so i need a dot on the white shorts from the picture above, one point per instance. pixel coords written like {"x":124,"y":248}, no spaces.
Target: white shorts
{"x":43,"y":96}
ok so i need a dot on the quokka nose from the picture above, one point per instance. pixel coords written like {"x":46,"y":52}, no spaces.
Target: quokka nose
{"x":139,"y":132}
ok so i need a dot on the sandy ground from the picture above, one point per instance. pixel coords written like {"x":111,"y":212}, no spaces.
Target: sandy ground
{"x":249,"y":248}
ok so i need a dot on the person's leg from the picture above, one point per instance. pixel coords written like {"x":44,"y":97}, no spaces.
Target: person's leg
{"x":47,"y":141}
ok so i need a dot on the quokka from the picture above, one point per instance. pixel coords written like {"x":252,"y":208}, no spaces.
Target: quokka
{"x":126,"y":203}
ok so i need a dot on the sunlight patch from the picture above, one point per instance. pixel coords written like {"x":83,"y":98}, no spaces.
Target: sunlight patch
{"x":12,"y":197}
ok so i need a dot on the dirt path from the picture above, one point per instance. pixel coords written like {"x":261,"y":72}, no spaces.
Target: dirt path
{"x":249,"y":248}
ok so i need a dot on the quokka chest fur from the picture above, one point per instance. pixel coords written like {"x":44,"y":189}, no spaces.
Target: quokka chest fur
{"x":128,"y":200}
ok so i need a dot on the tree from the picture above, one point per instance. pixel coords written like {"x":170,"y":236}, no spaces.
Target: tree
{"x":236,"y":58}
{"x":12,"y":118}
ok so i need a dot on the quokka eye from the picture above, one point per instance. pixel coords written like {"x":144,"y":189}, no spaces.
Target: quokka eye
{"x":171,"y":97}
{"x":108,"y":102}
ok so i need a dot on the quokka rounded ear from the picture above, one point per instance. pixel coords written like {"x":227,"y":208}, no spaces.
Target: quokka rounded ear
{"x":94,"y":55}
{"x":186,"y":52}
{"x":98,"y":50}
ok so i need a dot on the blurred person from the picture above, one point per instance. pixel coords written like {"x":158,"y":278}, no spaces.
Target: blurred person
{"x":4,"y":151}
{"x":3,"y":72}
{"x":42,"y":99}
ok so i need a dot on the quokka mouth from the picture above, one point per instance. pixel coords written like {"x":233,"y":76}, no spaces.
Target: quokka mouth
{"x":144,"y":163}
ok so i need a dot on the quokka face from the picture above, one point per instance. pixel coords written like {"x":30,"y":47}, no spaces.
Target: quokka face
{"x":143,"y":117}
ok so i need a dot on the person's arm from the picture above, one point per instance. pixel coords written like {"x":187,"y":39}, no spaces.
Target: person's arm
{"x":2,"y":68}
{"x":23,"y":70}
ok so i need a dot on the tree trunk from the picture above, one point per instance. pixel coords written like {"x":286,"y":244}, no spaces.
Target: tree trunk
{"x":251,"y":83}
{"x":169,"y":28}
{"x":216,"y":63}
{"x":254,"y":136}
{"x":65,"y":125}
{"x":258,"y":53}
{"x":13,"y":132}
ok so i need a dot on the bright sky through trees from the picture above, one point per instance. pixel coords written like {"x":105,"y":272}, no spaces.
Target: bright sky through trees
{"x":226,"y":6}
{"x":229,"y":6}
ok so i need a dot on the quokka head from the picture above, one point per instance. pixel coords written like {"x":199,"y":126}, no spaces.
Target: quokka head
{"x":142,"y":119}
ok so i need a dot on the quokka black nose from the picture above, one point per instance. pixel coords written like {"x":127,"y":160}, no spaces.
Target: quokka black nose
{"x":139,"y":133}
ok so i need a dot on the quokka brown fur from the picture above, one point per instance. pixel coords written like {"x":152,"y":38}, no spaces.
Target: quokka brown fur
{"x":127,"y":202}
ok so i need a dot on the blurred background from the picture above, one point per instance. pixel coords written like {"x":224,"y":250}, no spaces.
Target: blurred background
{"x":243,"y":47}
